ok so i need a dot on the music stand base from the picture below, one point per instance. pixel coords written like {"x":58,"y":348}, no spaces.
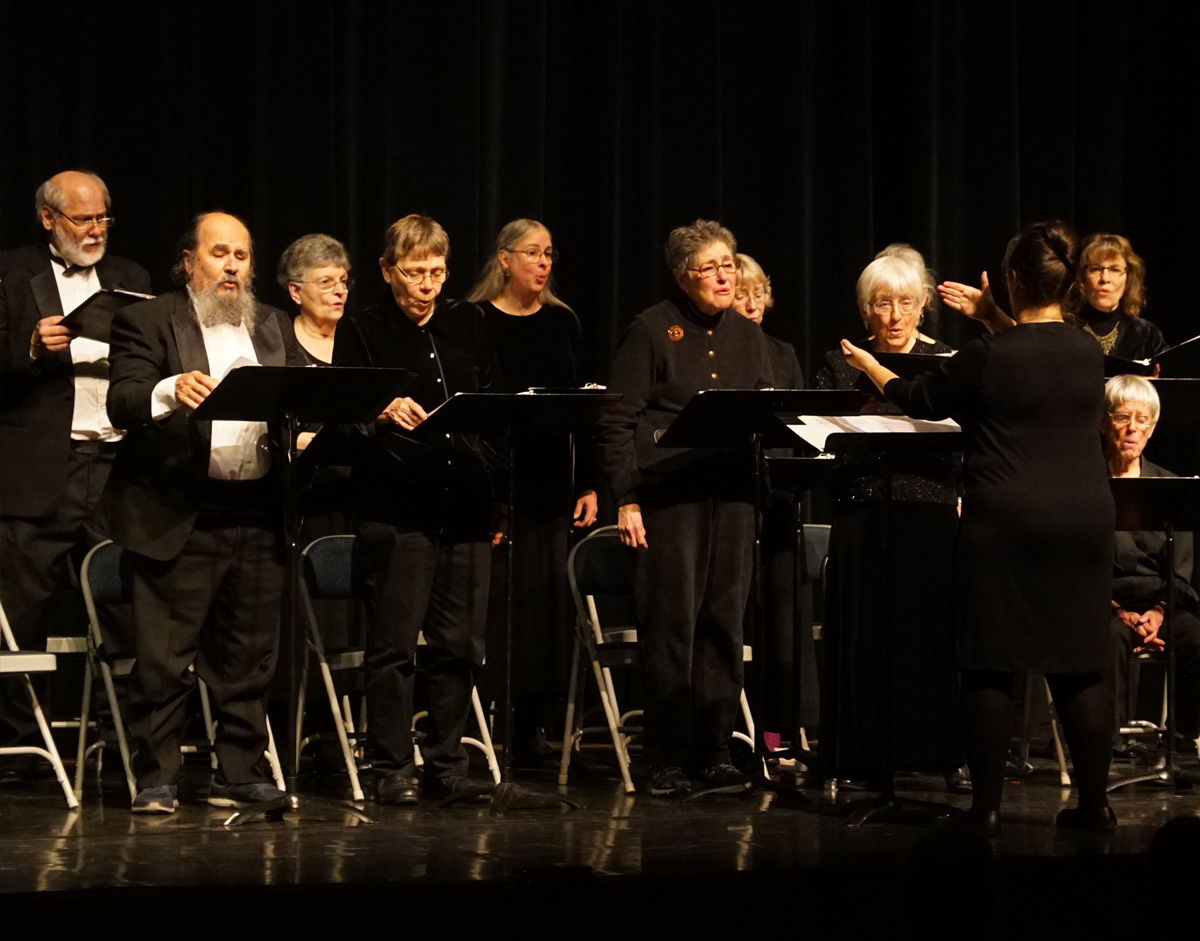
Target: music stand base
{"x":507,"y":796}
{"x":888,"y":808}
{"x":277,"y":807}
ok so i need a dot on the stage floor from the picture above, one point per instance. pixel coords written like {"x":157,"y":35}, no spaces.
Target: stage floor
{"x":703,"y":859}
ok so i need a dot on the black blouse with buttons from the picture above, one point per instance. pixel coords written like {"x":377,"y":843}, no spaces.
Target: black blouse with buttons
{"x":668,"y":354}
{"x":436,"y":483}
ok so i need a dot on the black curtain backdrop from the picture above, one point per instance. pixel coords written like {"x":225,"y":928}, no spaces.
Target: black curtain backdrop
{"x":817,"y":131}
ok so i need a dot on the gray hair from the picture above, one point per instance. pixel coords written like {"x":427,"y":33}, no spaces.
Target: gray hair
{"x":894,"y":273}
{"x":490,"y":283}
{"x":50,"y":194}
{"x":906,"y":252}
{"x":308,"y":252}
{"x":684,"y":242}
{"x":1132,"y":390}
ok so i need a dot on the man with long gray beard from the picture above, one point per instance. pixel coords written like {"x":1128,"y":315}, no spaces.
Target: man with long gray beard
{"x":56,"y":441}
{"x":200,"y":508}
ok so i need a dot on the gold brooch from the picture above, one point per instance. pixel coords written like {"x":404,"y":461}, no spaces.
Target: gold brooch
{"x":675,"y":333}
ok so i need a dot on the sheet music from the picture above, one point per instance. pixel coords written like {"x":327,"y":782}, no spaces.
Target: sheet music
{"x":815,"y":429}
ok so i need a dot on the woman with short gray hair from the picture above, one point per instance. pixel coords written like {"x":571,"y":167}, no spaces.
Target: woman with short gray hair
{"x":889,"y":694}
{"x":690,"y":511}
{"x":315,"y":271}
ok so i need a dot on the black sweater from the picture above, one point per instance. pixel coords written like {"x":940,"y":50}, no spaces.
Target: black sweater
{"x":668,"y":354}
{"x":414,"y":479}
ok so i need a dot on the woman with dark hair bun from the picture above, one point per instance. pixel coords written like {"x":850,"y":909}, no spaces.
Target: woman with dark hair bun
{"x":1033,"y":563}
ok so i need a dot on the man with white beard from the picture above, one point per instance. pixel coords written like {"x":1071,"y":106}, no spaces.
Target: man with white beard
{"x":55,"y":437}
{"x":199,"y":506}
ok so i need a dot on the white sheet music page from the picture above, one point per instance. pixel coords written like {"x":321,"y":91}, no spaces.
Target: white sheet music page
{"x":816,"y":428}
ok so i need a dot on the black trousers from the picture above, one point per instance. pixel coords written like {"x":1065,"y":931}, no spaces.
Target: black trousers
{"x":215,"y":605}
{"x":36,"y":587}
{"x":692,"y":584}
{"x":1185,"y":634}
{"x":412,"y":582}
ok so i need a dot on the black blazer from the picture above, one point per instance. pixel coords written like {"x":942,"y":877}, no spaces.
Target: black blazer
{"x":37,"y":396}
{"x":158,"y":480}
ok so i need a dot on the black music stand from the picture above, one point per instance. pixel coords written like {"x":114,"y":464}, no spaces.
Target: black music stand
{"x":886,"y":804}
{"x":526,"y":413}
{"x":797,"y":475}
{"x":1166,"y":504}
{"x":287,"y":397}
{"x":724,"y":418}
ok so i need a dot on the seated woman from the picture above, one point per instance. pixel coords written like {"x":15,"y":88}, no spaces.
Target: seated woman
{"x":890,"y":689}
{"x":1110,"y":283}
{"x":752,"y":298}
{"x":1108,"y":293}
{"x":315,"y":271}
{"x":1139,"y":595}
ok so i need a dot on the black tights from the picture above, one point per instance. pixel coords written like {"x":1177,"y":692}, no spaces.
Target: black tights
{"x":1084,"y":705}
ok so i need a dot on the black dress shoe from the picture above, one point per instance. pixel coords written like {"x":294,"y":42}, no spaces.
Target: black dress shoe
{"x":957,"y":781}
{"x":438,"y":789}
{"x":396,"y":787}
{"x":986,"y":822}
{"x":1095,"y":819}
{"x":17,"y":777}
{"x":722,"y":779}
{"x":668,"y":782}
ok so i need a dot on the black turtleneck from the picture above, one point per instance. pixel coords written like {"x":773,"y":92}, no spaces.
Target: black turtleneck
{"x":1136,"y":338}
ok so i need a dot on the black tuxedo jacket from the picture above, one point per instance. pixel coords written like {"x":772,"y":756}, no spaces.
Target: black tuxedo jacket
{"x":158,"y":480}
{"x":37,"y":396}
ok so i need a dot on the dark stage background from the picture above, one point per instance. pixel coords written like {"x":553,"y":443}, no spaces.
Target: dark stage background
{"x":818,"y":131}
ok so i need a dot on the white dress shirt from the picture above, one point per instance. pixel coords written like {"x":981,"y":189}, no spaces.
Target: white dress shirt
{"x":89,"y":357}
{"x":239,"y":449}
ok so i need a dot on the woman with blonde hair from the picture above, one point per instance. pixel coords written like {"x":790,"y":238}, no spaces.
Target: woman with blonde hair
{"x":536,"y":339}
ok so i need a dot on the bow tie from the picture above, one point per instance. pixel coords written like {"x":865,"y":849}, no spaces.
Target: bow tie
{"x":68,"y":268}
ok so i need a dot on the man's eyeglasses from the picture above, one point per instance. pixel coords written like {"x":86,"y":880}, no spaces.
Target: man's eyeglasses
{"x":104,"y":222}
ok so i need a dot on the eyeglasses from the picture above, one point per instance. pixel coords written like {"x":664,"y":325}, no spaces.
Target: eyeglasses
{"x":743,"y":296}
{"x":1113,"y":271}
{"x":105,"y":222}
{"x":710,"y":270}
{"x":435,"y":275}
{"x":1123,"y":419}
{"x":533,"y":254}
{"x":885,"y":305}
{"x":329,"y":285}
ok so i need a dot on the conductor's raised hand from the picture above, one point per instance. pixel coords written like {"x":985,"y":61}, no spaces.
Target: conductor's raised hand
{"x":192,"y":388}
{"x":963,"y":297}
{"x":405,"y":412}
{"x":49,"y":336}
{"x":630,"y":526}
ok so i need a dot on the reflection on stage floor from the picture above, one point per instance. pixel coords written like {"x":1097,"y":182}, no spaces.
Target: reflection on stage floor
{"x":701,"y":857}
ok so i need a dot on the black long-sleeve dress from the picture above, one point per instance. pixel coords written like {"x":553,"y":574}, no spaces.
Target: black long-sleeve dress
{"x":1033,"y":563}
{"x":539,"y":350}
{"x":889,"y":697}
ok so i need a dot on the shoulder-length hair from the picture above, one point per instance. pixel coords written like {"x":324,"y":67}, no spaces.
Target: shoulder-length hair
{"x":1101,"y":246}
{"x":490,"y":283}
